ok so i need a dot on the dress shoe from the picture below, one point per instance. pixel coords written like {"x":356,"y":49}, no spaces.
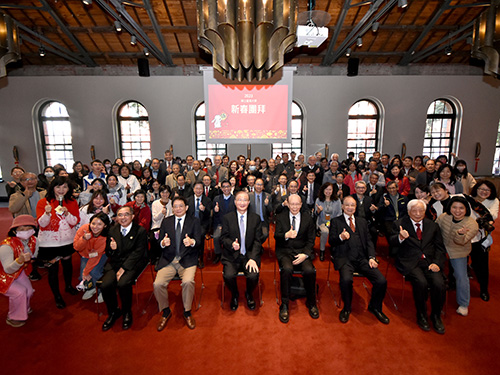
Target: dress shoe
{"x":378,"y":314}
{"x":127,"y":320}
{"x":201,"y":264}
{"x":485,"y":296}
{"x":71,"y":290}
{"x":314,"y":312}
{"x":35,"y":275}
{"x":250,"y":301}
{"x":216,"y":258}
{"x":60,"y":304}
{"x":284,"y":315}
{"x":234,"y":303}
{"x":437,"y":323}
{"x":163,"y":322}
{"x":112,"y":318}
{"x":190,"y":322}
{"x":322,"y":255}
{"x":423,"y":323}
{"x":344,"y":316}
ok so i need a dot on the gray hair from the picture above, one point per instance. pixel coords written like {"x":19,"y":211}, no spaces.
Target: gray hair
{"x":415,"y":202}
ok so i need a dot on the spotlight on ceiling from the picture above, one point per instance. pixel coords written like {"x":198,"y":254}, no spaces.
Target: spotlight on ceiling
{"x":41,"y":51}
{"x":87,"y":2}
{"x":118,"y":26}
{"x":375,"y":26}
{"x":448,"y":50}
{"x":146,"y":51}
{"x":133,"y":40}
{"x":348,"y":52}
{"x":402,"y":3}
{"x":359,"y":42}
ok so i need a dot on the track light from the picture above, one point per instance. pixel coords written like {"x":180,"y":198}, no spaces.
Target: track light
{"x":359,"y":42}
{"x":348,"y":52}
{"x":146,"y":51}
{"x":41,"y":51}
{"x":118,"y":26}
{"x":375,"y":26}
{"x":402,"y":3}
{"x":87,"y":2}
{"x":133,"y":40}
{"x":448,"y":50}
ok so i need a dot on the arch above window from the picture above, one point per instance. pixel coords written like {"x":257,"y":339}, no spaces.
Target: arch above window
{"x":203,"y":148}
{"x":440,"y":128}
{"x":297,"y":134}
{"x":134,"y":132}
{"x":363,"y":127}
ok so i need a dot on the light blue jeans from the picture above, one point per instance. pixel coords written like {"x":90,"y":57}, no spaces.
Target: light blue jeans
{"x":463,"y":287}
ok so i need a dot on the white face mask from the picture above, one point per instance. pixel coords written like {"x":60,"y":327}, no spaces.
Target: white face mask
{"x":461,"y":168}
{"x":49,"y":174}
{"x":252,"y":167}
{"x":25,"y":234}
{"x":108,"y":165}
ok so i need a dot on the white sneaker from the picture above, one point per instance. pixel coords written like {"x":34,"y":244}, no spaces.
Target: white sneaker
{"x":99,"y":299}
{"x":88,"y":294}
{"x":463,"y":310}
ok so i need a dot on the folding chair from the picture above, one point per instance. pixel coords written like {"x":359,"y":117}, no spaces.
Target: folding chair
{"x":240,"y":274}
{"x":300,"y":290}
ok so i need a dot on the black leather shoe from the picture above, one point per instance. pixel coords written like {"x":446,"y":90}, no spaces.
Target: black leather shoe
{"x":344,"y":316}
{"x":423,"y":323}
{"x":112,"y":318}
{"x":60,"y":304}
{"x":201,"y":264}
{"x":35,"y":275}
{"x":234,"y":303}
{"x":71,"y":290}
{"x":284,"y":315}
{"x":379,"y":315}
{"x":127,"y":320}
{"x":250,"y":301}
{"x":314,"y":312}
{"x":485,"y":296}
{"x":216,"y":258}
{"x":437,"y":323}
{"x":322,"y":255}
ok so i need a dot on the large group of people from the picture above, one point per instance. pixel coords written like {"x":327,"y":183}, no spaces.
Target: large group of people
{"x":121,"y":217}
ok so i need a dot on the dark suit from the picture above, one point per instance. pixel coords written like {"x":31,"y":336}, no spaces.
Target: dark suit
{"x":352,"y":255}
{"x":212,"y":192}
{"x":266,"y":211}
{"x":375,"y":193}
{"x":130,"y":255}
{"x":413,"y":258}
{"x":345,"y":190}
{"x":305,"y":193}
{"x":161,"y":175}
{"x":186,"y":192}
{"x":286,"y":250}
{"x":425,"y":178}
{"x":279,"y":199}
{"x":364,"y":211}
{"x":224,"y":209}
{"x":163,"y":167}
{"x":234,"y":261}
{"x":204,"y":217}
{"x":316,"y":169}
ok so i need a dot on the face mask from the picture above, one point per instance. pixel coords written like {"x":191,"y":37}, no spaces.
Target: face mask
{"x":252,"y":167}
{"x":108,"y":165}
{"x":147,"y":164}
{"x":461,"y":169}
{"x":49,"y":174}
{"x":25,"y":234}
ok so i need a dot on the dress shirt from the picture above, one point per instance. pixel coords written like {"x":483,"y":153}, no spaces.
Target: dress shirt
{"x":297,"y":221}
{"x":127,"y":229}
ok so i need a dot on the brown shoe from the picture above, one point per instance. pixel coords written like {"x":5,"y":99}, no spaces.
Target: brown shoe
{"x":190,"y":321}
{"x":163,"y":322}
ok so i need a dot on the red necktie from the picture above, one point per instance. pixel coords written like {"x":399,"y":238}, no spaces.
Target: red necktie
{"x":217,"y":176}
{"x":419,"y":232}
{"x":351,"y":225}
{"x":206,"y":191}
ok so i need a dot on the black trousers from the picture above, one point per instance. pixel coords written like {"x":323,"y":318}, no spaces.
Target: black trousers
{"x":308,"y":274}
{"x":110,"y":285}
{"x":379,"y":283}
{"x":422,"y":279}
{"x":480,"y":265}
{"x":230,"y":273}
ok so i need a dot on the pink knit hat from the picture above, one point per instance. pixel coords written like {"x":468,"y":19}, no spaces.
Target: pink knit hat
{"x":21,"y":220}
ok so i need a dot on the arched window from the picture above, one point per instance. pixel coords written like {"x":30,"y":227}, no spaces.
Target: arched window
{"x":363,"y":127}
{"x":496,"y":160}
{"x":297,"y":130}
{"x":440,"y":128}
{"x":204,"y":149}
{"x":55,"y":130}
{"x":133,"y":128}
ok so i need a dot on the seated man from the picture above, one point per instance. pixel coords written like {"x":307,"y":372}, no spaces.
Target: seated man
{"x":353,"y":251}
{"x":126,"y":252}
{"x":420,"y":258}
{"x":180,"y":236}
{"x":240,"y":237}
{"x":295,"y":235}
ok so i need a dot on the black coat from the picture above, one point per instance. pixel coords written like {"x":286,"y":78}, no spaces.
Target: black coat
{"x":131,"y":250}
{"x":303,"y":243}
{"x":231,"y":232}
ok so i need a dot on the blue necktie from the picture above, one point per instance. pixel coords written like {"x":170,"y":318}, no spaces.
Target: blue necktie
{"x":124,"y":232}
{"x":243,"y":251}
{"x":197,"y":208}
{"x":259,"y":204}
{"x":178,"y":234}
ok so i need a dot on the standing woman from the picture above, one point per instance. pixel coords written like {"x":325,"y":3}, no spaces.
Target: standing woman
{"x":15,"y":255}
{"x":45,"y":178}
{"x":485,"y":210}
{"x":353,"y":176}
{"x":142,"y":212}
{"x":396,"y":173}
{"x":77,"y":175}
{"x":161,"y":208}
{"x":57,"y":216}
{"x":463,"y":175}
{"x":327,"y":207}
{"x":446,"y":175}
{"x":458,"y":229}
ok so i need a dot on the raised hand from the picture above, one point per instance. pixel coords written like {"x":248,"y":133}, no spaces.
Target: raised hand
{"x":236,"y":245}
{"x":216,"y":208}
{"x":48,"y":208}
{"x":344,"y":236}
{"x":188,"y":241}
{"x":319,"y":208}
{"x":463,"y":230}
{"x":87,"y":236}
{"x":266,"y":201}
{"x":166,"y":241}
{"x":25,"y":257}
{"x":202,"y":207}
{"x":292,"y":233}
{"x":113,"y":244}
{"x":105,"y":209}
{"x":386,"y":202}
{"x":403,"y":233}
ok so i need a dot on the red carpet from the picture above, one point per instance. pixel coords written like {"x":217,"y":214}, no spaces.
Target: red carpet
{"x":70,"y":341}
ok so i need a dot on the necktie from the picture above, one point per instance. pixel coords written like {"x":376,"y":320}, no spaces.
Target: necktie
{"x":178,"y":234}
{"x":242,"y":235}
{"x":124,"y":232}
{"x":283,"y":190}
{"x":419,"y":232}
{"x":259,"y":204}
{"x":216,"y":177}
{"x":197,"y":208}
{"x":206,"y":191}
{"x":351,"y":225}
{"x":293,"y":222}
{"x":310,"y":194}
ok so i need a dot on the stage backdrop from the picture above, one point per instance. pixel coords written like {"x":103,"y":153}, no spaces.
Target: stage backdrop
{"x":248,"y":113}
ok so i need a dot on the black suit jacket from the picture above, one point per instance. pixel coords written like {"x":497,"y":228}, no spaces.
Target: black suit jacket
{"x":231,"y":231}
{"x":217,"y":217}
{"x":340,"y":249}
{"x":303,"y":243}
{"x":266,"y":209}
{"x":409,"y":252}
{"x":345,"y":190}
{"x":205,"y":216}
{"x":186,"y":192}
{"x":189,"y":255}
{"x":316,"y":185}
{"x":130,"y":253}
{"x":162,"y":174}
{"x":364,"y":208}
{"x":379,"y":192}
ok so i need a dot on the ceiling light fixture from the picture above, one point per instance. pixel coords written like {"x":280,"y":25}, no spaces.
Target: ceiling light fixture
{"x":146,"y":51}
{"x":133,"y":40}
{"x":402,"y":3}
{"x":359,"y":42}
{"x":41,"y":51}
{"x":348,"y":52}
{"x":375,"y":26}
{"x":448,"y":50}
{"x":118,"y":26}
{"x":87,"y":2}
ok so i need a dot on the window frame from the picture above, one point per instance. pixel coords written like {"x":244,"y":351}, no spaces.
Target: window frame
{"x":452,"y":134}
{"x":201,"y":121}
{"x":378,"y":119}
{"x":279,"y":150}
{"x":120,"y":118}
{"x":496,"y":157}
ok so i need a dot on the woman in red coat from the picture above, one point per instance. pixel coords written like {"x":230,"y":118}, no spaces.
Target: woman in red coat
{"x":142,"y":212}
{"x":396,"y":173}
{"x":353,"y":176}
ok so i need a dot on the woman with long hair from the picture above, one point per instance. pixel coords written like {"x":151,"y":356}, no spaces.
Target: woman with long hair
{"x":142,"y":212}
{"x":353,"y":176}
{"x":446,"y":176}
{"x":396,"y":173}
{"x":98,"y":203}
{"x":462,"y":174}
{"x":327,"y":207}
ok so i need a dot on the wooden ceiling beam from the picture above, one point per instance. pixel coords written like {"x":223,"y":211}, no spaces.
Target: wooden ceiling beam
{"x":157,"y":29}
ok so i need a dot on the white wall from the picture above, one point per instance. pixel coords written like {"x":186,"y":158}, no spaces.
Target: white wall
{"x":170,"y":101}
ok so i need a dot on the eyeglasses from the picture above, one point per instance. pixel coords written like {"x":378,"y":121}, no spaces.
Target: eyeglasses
{"x":484,"y":189}
{"x":124,"y":214}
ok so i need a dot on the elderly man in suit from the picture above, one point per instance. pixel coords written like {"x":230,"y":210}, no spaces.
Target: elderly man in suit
{"x":295,"y":235}
{"x":222,"y":205}
{"x":218,"y":172}
{"x":196,"y":174}
{"x":180,"y":236}
{"x":353,"y":251}
{"x":241,"y":234}
{"x":126,"y":250}
{"x":261,"y":204}
{"x":200,"y":206}
{"x":420,"y":257}
{"x":183,"y":189}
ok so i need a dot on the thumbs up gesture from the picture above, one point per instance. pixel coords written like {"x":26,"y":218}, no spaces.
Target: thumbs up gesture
{"x":202,"y":207}
{"x":112,"y":244}
{"x":166,"y":241}
{"x":105,"y":209}
{"x":292,"y":233}
{"x":87,"y":236}
{"x":403,"y":233}
{"x":319,"y":208}
{"x":48,"y":208}
{"x":386,"y":201}
{"x":25,"y":257}
{"x":188,"y":241}
{"x":216,"y":208}
{"x":344,"y":236}
{"x":266,"y":201}
{"x":236,"y":245}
